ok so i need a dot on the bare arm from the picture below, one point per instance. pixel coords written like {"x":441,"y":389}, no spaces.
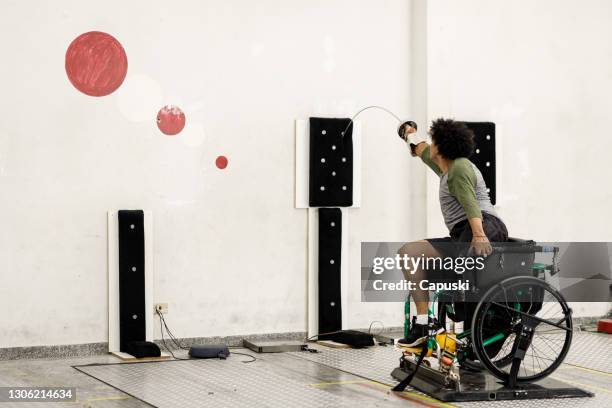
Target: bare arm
{"x":476,"y":225}
{"x":480,"y":242}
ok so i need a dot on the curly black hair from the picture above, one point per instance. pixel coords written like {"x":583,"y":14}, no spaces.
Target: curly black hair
{"x":453,"y":139}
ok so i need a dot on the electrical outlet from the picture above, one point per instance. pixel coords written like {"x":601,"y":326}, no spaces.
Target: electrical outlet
{"x":161,"y":308}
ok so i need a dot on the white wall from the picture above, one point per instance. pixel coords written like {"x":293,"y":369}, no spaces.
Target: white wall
{"x":230,"y":249}
{"x":541,"y":71}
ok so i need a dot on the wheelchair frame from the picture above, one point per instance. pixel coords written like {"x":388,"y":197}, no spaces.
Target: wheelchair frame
{"x":468,"y":343}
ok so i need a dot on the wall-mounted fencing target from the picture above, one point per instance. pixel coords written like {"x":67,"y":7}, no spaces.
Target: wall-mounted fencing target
{"x":130,"y":284}
{"x":327,"y":176}
{"x":132,"y":316}
{"x":484,"y":153}
{"x":330,"y":257}
{"x":331,"y":163}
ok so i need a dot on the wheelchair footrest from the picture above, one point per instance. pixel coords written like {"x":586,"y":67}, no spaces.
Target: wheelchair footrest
{"x":482,"y":386}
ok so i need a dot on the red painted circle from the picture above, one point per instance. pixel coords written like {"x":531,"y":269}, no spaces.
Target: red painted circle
{"x":96,"y":63}
{"x":170,"y":120}
{"x":221,"y":162}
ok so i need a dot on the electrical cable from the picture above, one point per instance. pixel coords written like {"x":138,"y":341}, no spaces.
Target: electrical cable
{"x":311,"y":338}
{"x":178,"y":344}
{"x":382,"y":329}
{"x":170,"y":334}
{"x":253,"y":358}
{"x":161,"y":329}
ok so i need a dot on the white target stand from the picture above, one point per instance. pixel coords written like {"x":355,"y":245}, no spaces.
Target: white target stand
{"x":113,"y":286}
{"x":302,"y":160}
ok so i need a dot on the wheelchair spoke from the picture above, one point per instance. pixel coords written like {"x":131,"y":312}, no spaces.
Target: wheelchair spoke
{"x":551,"y":337}
{"x":543,"y":358}
{"x":536,"y":359}
{"x":548,"y":342}
{"x":506,"y":301}
{"x":553,"y":350}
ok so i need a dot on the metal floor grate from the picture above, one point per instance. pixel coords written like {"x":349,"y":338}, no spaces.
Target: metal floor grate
{"x":210,"y":383}
{"x":589,"y":350}
{"x":231,"y":383}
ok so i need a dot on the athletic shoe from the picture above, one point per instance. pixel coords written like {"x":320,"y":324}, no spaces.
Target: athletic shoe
{"x":418,"y":334}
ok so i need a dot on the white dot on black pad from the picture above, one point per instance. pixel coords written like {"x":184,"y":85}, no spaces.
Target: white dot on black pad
{"x":134,"y":317}
{"x":333,"y":147}
{"x":333,"y":224}
{"x":343,"y":159}
{"x":477,"y":151}
{"x":332,"y":304}
{"x":333,"y":173}
{"x":487,"y":164}
{"x":322,"y":188}
{"x":133,"y":269}
{"x":344,"y":187}
{"x":132,"y":226}
{"x":488,"y":137}
{"x":323,"y":132}
{"x":331,"y":261}
{"x":323,"y":160}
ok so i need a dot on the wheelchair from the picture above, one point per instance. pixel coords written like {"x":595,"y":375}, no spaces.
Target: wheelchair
{"x":515,"y":324}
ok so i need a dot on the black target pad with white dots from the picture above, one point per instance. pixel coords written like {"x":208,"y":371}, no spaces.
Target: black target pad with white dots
{"x":331,"y":163}
{"x":484,"y":153}
{"x":132,"y":322}
{"x":330,"y":254}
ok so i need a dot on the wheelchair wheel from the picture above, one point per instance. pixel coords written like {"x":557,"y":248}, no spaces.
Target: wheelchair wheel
{"x":513,"y":309}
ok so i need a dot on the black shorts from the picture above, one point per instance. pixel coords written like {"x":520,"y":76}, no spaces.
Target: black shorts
{"x":458,"y":243}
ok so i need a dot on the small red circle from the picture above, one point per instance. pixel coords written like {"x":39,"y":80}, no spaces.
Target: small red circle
{"x":221,"y":162}
{"x":96,"y":63}
{"x":170,"y":120}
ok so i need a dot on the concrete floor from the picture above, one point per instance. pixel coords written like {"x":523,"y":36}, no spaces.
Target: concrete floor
{"x":349,"y":389}
{"x":59,"y":372}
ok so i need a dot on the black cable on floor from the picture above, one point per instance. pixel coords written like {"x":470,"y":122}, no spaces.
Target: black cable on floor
{"x":311,"y":338}
{"x":253,"y":358}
